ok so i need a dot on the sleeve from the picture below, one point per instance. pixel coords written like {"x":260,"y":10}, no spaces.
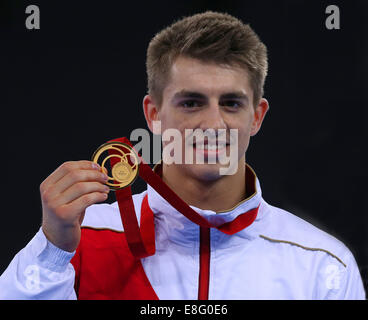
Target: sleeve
{"x":345,"y":282}
{"x":39,"y":271}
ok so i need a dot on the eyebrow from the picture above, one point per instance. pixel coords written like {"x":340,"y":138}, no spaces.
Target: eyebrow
{"x":197,"y":95}
{"x":188,"y":94}
{"x":235,"y":95}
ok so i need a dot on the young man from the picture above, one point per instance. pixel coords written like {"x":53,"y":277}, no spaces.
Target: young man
{"x":205,"y":72}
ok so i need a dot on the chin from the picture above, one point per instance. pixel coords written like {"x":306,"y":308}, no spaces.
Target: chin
{"x":204,"y":172}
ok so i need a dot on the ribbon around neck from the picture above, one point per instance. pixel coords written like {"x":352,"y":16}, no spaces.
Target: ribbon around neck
{"x":141,"y":240}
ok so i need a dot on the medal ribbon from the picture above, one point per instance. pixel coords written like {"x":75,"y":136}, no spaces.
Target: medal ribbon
{"x":142,"y":244}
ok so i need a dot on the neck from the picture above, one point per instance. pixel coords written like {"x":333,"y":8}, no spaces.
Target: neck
{"x":219,"y":195}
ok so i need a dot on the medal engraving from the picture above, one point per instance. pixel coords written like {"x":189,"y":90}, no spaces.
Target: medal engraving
{"x":122,"y":172}
{"x":124,"y":163}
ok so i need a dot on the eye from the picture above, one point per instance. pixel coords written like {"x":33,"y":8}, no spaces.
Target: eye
{"x":190,"y":103}
{"x":234,"y":104}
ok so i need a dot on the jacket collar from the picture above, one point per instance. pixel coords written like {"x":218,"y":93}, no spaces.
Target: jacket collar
{"x":177,"y":224}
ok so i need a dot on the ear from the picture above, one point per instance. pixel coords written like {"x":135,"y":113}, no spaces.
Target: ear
{"x":259,"y":115}
{"x":150,"y":112}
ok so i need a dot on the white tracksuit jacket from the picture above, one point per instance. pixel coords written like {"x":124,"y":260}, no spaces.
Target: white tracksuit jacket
{"x":279,"y":256}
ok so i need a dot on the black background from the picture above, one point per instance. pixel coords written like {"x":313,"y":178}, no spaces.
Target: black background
{"x":80,"y":80}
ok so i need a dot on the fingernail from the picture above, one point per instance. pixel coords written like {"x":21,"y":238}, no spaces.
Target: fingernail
{"x":95,"y":166}
{"x":104,"y":176}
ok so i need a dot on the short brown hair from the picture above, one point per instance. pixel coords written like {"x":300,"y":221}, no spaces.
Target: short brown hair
{"x":209,"y":37}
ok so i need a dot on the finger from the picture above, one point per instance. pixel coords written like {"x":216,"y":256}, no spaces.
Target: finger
{"x":78,"y":190}
{"x":77,"y":176}
{"x":80,"y":204}
{"x":65,"y":168}
{"x":104,"y":170}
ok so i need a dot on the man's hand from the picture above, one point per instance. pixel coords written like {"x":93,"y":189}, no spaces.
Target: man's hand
{"x":65,"y":195}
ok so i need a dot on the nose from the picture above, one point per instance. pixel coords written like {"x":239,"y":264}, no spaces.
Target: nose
{"x":212,"y":118}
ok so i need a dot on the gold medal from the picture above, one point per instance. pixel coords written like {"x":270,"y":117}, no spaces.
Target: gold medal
{"x":125,"y":171}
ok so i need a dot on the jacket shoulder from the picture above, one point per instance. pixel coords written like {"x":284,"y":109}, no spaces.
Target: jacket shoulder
{"x":287,"y":228}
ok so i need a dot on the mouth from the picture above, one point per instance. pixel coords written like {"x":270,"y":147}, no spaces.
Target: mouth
{"x":207,"y":148}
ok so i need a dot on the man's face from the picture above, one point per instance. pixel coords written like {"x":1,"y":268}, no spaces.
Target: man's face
{"x":209,"y":96}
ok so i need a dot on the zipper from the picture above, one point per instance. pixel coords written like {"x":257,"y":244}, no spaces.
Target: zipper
{"x":204,"y":263}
